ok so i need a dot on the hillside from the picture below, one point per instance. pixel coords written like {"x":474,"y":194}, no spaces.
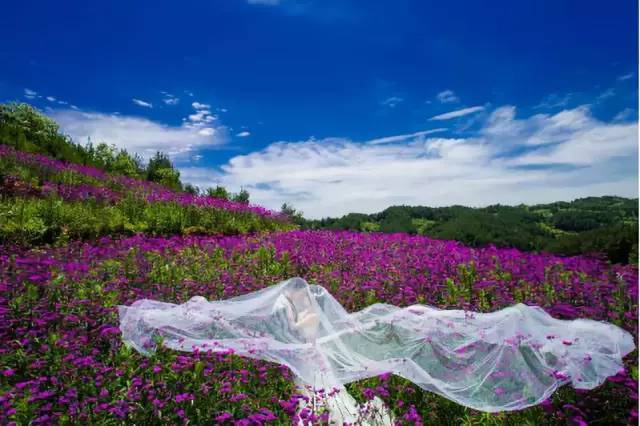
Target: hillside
{"x":592,"y":225}
{"x":48,"y":199}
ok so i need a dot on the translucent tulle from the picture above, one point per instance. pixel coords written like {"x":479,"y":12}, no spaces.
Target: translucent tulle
{"x":504,"y":360}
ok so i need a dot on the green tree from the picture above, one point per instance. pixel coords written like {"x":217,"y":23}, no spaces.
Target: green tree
{"x":125,"y":164}
{"x":242,"y":196}
{"x":191,"y":189}
{"x":218,"y":192}
{"x":294,"y":215}
{"x":160,"y":170}
{"x":397,"y":220}
{"x":27,"y":129}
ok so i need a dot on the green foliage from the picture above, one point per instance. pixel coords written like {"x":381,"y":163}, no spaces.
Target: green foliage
{"x":218,"y":192}
{"x":397,"y":219}
{"x":191,"y":189}
{"x":26,"y":129}
{"x":31,"y":221}
{"x":109,"y":158}
{"x":350,"y":222}
{"x":618,"y":242}
{"x":294,"y":215}
{"x":422,"y":225}
{"x":369,"y":227}
{"x":477,"y":228}
{"x":606,"y":225}
{"x":160,"y":170}
{"x":241,"y":197}
{"x":26,"y":218}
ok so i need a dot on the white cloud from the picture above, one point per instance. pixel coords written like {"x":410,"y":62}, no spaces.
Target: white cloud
{"x":457,"y":113}
{"x":447,"y":97}
{"x":624,"y":115}
{"x":136,"y":134}
{"x":626,"y":76}
{"x":540,"y":158}
{"x":207,"y":131}
{"x":197,"y":117}
{"x":392,"y":101}
{"x":554,"y":101}
{"x":169,"y":99}
{"x":586,"y":147}
{"x":243,"y":134}
{"x":610,"y":92}
{"x":142,"y":103}
{"x":50,"y":98}
{"x":30,"y":94}
{"x":198,"y":105}
{"x":400,"y":138}
{"x":202,"y":116}
{"x":575,"y":138}
{"x":538,"y":130}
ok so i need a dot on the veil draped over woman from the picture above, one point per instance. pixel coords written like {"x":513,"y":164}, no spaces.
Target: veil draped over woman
{"x":499,"y":361}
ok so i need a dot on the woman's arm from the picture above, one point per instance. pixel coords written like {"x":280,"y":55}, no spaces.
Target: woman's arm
{"x":307,"y":324}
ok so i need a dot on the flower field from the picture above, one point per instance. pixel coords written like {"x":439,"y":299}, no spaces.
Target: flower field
{"x":62,"y":359}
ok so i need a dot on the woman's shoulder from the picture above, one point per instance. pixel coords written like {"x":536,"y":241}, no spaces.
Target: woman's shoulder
{"x":282,"y":302}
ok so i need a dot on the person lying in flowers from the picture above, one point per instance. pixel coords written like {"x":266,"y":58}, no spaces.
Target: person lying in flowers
{"x":499,"y":361}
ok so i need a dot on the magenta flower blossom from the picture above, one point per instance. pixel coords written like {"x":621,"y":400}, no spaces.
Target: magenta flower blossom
{"x":223,"y":417}
{"x":184,"y":397}
{"x":238,"y":397}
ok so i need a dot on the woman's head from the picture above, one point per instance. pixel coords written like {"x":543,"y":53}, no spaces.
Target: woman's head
{"x":298,"y":292}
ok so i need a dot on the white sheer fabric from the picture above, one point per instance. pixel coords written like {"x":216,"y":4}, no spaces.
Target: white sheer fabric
{"x":504,"y":360}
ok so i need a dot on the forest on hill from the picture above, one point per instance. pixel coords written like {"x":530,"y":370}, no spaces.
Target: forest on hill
{"x":606,"y":225}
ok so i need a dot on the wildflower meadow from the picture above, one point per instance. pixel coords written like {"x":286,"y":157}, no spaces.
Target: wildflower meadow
{"x":63,"y":360}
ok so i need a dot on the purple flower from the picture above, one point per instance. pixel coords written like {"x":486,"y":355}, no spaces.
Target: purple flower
{"x":238,"y":397}
{"x":184,"y":397}
{"x":223,"y":417}
{"x":560,"y":375}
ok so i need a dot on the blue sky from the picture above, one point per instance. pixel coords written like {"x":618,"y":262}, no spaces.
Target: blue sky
{"x":340,"y":106}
